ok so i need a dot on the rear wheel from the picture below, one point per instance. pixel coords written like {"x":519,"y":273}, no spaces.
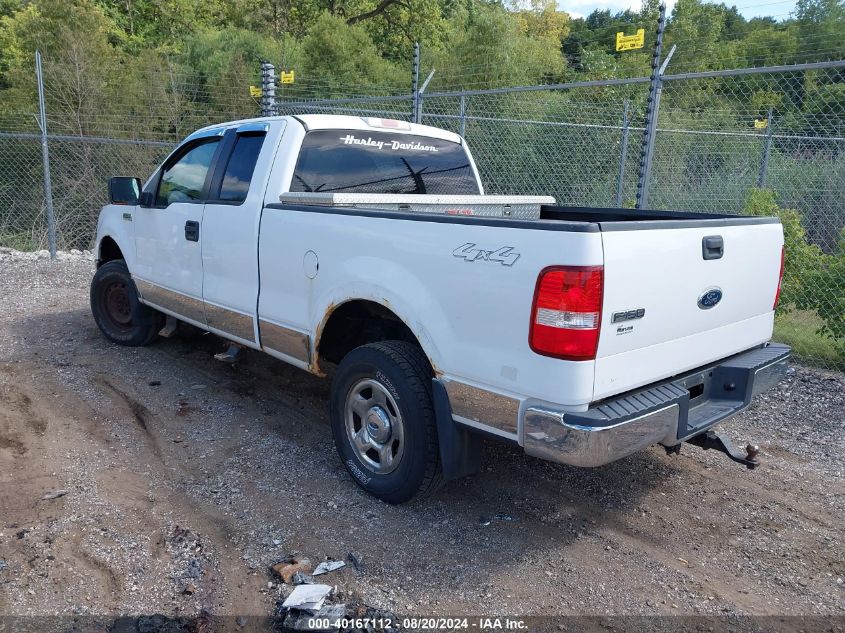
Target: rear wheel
{"x":121,"y":317}
{"x":383,"y":420}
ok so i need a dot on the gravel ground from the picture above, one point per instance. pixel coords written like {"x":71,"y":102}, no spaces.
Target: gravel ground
{"x":178,"y":480}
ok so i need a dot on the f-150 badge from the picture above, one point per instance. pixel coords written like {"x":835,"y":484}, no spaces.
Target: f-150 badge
{"x":471,"y":253}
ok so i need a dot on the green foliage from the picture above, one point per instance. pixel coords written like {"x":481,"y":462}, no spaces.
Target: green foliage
{"x":18,"y":241}
{"x":800,"y":330}
{"x":338,"y":55}
{"x":503,"y":48}
{"x":813,"y":280}
{"x":802,"y":258}
{"x":697,"y":29}
{"x":364,"y":43}
{"x":825,"y":295}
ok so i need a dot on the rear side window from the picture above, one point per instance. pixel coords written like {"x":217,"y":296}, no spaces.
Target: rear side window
{"x":240,"y":167}
{"x":358,"y":161}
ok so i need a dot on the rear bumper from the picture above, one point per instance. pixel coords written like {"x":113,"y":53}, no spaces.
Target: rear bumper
{"x":667,"y":413}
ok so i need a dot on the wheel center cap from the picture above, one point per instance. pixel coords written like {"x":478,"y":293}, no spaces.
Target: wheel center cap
{"x":378,"y":425}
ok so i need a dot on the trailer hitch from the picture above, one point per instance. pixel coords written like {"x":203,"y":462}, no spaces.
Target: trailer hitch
{"x":713,"y":440}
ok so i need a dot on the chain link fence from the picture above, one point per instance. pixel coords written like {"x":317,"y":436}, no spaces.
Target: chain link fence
{"x":720,"y":137}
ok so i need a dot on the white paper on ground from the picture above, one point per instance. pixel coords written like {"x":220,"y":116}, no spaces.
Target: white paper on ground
{"x":327,"y":566}
{"x":307,"y":596}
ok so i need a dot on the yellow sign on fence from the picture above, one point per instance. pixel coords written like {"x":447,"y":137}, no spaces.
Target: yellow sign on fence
{"x":288,"y":78}
{"x":761,"y":124}
{"x":630,"y":42}
{"x":254,"y":91}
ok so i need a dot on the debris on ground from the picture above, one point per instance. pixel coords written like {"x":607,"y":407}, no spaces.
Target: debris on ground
{"x":327,"y":566}
{"x":296,"y":619}
{"x":231,"y":355}
{"x":484,"y":521}
{"x":306,"y":621}
{"x":55,"y":494}
{"x":307,"y":597}
{"x":355,"y":559}
{"x":301,"y":579}
{"x":286,"y":568}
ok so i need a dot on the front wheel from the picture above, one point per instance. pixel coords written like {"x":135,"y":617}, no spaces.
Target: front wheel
{"x":383,"y":421}
{"x":121,"y":317}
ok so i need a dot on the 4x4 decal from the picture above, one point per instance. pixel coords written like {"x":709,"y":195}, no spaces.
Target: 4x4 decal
{"x":471,"y":253}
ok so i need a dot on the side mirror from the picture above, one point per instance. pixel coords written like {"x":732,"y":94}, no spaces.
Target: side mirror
{"x":124,"y":190}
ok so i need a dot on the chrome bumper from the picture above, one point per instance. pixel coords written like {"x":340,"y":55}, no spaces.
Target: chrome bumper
{"x":667,"y":413}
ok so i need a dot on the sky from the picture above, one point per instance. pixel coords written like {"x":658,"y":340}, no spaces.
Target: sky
{"x":748,"y":8}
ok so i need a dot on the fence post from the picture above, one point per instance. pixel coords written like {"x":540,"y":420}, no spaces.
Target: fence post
{"x":620,"y":184}
{"x":767,"y":148}
{"x":45,"y":157}
{"x":415,"y":83}
{"x":651,"y":114}
{"x":268,"y":89}
{"x":463,"y":107}
{"x":419,"y":94}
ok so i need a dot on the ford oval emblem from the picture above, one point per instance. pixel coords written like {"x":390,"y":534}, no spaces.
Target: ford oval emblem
{"x":709,"y":298}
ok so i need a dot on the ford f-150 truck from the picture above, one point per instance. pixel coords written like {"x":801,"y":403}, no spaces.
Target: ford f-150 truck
{"x":365,"y":249}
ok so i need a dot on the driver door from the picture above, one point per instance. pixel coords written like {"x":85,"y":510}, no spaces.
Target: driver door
{"x":168,"y":233}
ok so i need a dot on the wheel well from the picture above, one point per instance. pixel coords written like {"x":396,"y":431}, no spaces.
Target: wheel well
{"x":357,"y":323}
{"x":109,"y":250}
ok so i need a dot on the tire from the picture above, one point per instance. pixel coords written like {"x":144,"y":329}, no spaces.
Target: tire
{"x":383,"y":421}
{"x":121,"y":317}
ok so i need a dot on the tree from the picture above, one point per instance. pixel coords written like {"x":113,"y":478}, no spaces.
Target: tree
{"x":339,"y":55}
{"x":820,"y":28}
{"x":504,"y":51}
{"x":697,"y":29}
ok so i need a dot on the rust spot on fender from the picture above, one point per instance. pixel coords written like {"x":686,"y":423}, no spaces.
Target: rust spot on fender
{"x":314,"y":365}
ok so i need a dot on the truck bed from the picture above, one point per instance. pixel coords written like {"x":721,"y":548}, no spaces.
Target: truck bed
{"x":657,"y":266}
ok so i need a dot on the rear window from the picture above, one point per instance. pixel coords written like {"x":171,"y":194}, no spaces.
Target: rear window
{"x":359,"y":161}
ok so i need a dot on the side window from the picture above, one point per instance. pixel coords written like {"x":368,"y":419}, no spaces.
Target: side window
{"x":183,"y":180}
{"x":240,"y":167}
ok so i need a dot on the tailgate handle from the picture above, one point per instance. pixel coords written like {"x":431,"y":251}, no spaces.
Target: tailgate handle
{"x":712,"y":247}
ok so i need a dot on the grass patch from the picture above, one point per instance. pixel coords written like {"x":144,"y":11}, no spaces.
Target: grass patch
{"x":799,"y":330}
{"x":18,"y":241}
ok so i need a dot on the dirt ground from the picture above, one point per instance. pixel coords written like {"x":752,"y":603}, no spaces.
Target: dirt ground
{"x":185,"y":478}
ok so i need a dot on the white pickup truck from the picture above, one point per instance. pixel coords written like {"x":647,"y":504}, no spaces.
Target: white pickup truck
{"x":365,"y":249}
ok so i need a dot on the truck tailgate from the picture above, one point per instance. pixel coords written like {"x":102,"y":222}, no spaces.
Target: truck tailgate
{"x":672,"y":303}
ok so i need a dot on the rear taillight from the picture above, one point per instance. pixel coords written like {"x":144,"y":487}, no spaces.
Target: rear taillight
{"x":780,"y":276}
{"x":566,"y":314}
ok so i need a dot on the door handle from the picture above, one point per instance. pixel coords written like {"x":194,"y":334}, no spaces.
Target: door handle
{"x":192,"y":231}
{"x":712,"y":247}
